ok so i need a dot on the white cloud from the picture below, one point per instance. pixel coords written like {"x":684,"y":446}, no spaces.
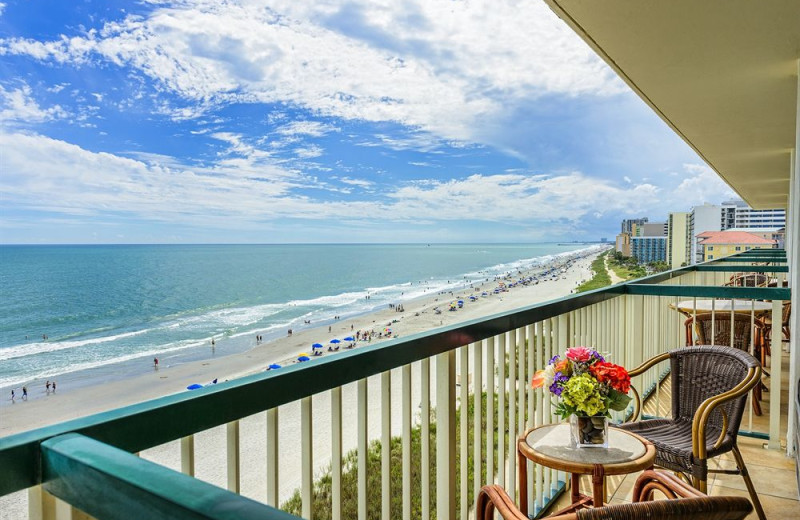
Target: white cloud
{"x":440,"y":66}
{"x":308,"y":152}
{"x":18,"y":106}
{"x":306,"y":128}
{"x":701,"y":184}
{"x":362,"y":183}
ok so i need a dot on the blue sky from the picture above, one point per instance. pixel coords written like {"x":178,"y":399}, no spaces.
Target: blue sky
{"x":319,"y":121}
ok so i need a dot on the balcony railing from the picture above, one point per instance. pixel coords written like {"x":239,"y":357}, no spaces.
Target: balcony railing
{"x":269,"y":425}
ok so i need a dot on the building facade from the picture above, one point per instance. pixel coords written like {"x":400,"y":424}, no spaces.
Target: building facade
{"x":629,"y":225}
{"x":649,"y":249}
{"x":678,"y":239}
{"x":725,"y":243}
{"x":623,"y":245}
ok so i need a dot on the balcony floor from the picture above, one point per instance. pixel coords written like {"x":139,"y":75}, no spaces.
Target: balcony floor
{"x":773,"y":473}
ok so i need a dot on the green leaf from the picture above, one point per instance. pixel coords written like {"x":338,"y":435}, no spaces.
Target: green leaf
{"x":617,"y":400}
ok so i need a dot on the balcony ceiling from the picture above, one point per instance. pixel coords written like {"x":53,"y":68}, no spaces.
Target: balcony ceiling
{"x":721,"y":73}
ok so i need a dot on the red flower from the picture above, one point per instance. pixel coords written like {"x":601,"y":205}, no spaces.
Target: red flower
{"x":615,"y":375}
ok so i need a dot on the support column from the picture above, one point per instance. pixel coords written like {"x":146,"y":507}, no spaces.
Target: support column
{"x":793,"y":255}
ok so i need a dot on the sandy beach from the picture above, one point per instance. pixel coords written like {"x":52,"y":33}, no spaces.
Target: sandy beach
{"x":417,"y":316}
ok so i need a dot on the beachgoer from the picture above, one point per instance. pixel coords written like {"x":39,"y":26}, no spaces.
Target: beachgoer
{"x":54,"y":387}
{"x":155,"y":363}
{"x":329,"y":328}
{"x":13,"y":395}
{"x":212,"y":342}
{"x":24,"y":393}
{"x":48,"y":386}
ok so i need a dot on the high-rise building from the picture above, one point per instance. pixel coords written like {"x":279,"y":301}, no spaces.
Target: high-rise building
{"x":707,"y":217}
{"x":678,"y":239}
{"x":731,"y":214}
{"x":653,"y":229}
{"x":649,"y":249}
{"x":629,"y":225}
{"x":623,"y":244}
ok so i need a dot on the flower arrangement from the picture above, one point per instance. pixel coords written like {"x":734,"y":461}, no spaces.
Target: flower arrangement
{"x":585,"y":382}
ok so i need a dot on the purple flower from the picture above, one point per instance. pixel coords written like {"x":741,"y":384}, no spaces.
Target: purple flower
{"x":558,"y":379}
{"x":597,"y":356}
{"x":553,"y":359}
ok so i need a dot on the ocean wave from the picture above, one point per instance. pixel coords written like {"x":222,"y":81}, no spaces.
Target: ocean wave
{"x":33,"y":349}
{"x":51,"y":373}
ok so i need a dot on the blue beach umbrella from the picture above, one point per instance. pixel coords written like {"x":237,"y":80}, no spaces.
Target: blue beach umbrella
{"x":316,"y":345}
{"x":274,"y":366}
{"x":304,"y":358}
{"x":349,"y":338}
{"x":334,"y":340}
{"x":194,"y":387}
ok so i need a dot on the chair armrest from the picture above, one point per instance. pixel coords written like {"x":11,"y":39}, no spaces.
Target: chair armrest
{"x":493,"y":497}
{"x":705,"y":409}
{"x":667,"y":483}
{"x":637,"y":400}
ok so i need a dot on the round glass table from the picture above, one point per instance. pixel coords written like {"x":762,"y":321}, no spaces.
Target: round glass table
{"x":551,"y":446}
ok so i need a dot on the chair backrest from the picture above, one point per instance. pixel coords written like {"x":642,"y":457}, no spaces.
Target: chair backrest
{"x":749,"y":280}
{"x":702,"y":508}
{"x":704,"y":371}
{"x":721,"y":333}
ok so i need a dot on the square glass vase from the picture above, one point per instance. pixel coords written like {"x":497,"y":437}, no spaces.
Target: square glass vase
{"x":589,"y":432}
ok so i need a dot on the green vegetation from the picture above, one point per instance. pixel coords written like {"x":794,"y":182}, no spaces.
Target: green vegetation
{"x":627,"y":268}
{"x":600,"y":278}
{"x":321,"y":506}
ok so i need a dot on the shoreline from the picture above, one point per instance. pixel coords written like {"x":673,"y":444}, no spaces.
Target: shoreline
{"x":418,"y":316}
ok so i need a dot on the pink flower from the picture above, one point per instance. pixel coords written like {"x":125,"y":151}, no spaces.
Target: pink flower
{"x":579,"y":354}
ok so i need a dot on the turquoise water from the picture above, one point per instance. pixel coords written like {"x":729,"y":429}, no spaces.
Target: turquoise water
{"x":107,"y":310}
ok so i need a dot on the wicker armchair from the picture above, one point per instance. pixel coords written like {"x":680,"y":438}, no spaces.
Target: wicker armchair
{"x":692,"y":505}
{"x":742,"y":331}
{"x":709,"y":393}
{"x":699,"y":332}
{"x":748,"y":280}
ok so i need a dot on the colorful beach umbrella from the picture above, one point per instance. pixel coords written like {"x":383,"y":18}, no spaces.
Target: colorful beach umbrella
{"x":349,"y":338}
{"x":194,"y":387}
{"x":274,"y":366}
{"x":334,"y":340}
{"x":304,"y":358}
{"x":316,"y":345}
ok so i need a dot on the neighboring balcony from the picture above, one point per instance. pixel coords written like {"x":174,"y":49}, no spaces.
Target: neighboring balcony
{"x":445,"y":408}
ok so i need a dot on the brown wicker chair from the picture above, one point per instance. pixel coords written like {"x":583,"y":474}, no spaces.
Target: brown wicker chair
{"x":742,"y":332}
{"x":709,"y":392}
{"x":749,"y":280}
{"x":691,"y":506}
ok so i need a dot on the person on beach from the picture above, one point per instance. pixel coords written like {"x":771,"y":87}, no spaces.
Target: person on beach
{"x":212,"y":342}
{"x":47,"y":385}
{"x":54,"y":387}
{"x":155,"y":363}
{"x":13,"y":395}
{"x":24,"y":393}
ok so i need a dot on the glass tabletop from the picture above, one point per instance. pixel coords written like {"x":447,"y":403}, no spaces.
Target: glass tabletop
{"x":554,"y":441}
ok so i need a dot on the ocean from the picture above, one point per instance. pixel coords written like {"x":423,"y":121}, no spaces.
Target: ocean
{"x":87,"y":314}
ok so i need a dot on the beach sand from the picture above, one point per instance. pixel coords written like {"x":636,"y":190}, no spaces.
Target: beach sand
{"x":418,"y":316}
